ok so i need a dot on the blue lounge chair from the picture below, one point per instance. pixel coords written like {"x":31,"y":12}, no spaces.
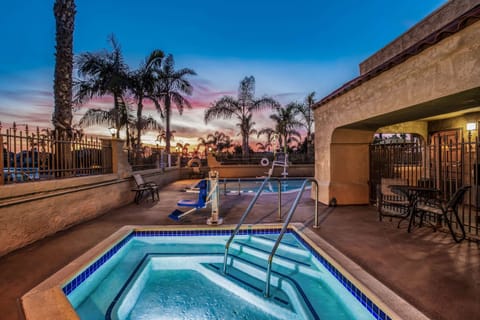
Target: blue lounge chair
{"x":199,"y":203}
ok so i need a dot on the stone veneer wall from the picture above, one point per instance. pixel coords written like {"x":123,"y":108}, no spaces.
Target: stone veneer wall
{"x":32,"y":211}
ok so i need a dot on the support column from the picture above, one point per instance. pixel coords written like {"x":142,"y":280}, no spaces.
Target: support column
{"x":120,"y":164}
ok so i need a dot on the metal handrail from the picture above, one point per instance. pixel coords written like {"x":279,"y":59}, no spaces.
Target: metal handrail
{"x":292,"y":209}
{"x":280,"y":236}
{"x":242,"y":219}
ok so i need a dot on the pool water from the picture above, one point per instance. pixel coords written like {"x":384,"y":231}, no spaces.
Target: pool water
{"x":181,"y":277}
{"x":246,"y":186}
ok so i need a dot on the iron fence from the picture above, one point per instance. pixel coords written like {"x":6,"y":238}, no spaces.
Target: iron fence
{"x":256,"y":158}
{"x":145,"y":157}
{"x":445,"y":163}
{"x":44,"y":154}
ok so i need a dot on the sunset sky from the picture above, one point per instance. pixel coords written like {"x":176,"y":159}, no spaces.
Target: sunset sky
{"x":290,"y":47}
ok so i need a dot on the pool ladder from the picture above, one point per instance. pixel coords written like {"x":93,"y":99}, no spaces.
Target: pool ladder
{"x":282,"y":232}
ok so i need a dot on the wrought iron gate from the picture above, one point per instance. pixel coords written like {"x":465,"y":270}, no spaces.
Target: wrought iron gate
{"x":446,"y":162}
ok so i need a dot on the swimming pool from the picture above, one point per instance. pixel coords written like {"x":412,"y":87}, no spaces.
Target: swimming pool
{"x":166,"y":272}
{"x":251,"y":186}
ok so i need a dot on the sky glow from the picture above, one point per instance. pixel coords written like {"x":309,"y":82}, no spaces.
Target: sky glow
{"x":290,"y":47}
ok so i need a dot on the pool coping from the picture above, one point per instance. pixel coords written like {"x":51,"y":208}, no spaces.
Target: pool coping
{"x":48,"y":301}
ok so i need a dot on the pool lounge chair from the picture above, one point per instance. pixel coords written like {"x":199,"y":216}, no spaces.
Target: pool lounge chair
{"x":143,"y":187}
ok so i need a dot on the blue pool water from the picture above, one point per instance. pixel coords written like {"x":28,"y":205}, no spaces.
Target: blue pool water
{"x":251,"y":186}
{"x":158,"y":275}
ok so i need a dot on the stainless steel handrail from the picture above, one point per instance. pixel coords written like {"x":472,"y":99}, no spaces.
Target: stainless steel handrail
{"x":254,"y":200}
{"x":242,"y":219}
{"x":280,"y":236}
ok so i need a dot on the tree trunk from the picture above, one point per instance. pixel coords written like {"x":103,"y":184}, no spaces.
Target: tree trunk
{"x":64,"y":11}
{"x":167,"y":124}
{"x":139,"y":120}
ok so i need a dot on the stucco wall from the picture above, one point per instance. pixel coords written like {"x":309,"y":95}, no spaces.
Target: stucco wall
{"x":407,"y":92}
{"x":421,"y":30}
{"x":31,"y":211}
{"x":249,"y":171}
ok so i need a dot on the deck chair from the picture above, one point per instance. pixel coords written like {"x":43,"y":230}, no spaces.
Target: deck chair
{"x":143,"y":187}
{"x":391,"y":204}
{"x":443,"y":209}
{"x":195,"y":204}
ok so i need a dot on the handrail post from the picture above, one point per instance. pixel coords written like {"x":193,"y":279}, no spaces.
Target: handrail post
{"x":280,"y":236}
{"x":242,"y":219}
{"x":315,"y":223}
{"x":279,"y":185}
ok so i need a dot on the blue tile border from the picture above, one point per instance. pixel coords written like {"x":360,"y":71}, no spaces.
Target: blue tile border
{"x":376,"y":311}
{"x":356,"y":292}
{"x":79,"y":279}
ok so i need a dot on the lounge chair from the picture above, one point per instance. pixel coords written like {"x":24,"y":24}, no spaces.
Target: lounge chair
{"x":199,"y":203}
{"x":143,"y":187}
{"x":391,"y":204}
{"x":443,"y":209}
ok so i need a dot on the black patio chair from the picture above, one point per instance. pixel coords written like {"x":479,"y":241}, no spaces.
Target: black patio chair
{"x":443,"y":209}
{"x":143,"y":187}
{"x":391,"y":204}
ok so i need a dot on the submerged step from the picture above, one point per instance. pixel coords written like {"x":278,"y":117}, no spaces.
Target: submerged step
{"x":175,"y":283}
{"x":283,"y":288}
{"x":281,"y":263}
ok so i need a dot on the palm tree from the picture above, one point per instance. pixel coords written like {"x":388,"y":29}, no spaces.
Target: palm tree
{"x":103,"y":73}
{"x":64,"y":11}
{"x":144,"y":124}
{"x":247,"y":129}
{"x":170,"y":87}
{"x":305,"y":110}
{"x":142,"y":85}
{"x":162,"y":136}
{"x":120,"y":117}
{"x":269,"y":133}
{"x":286,"y":123}
{"x":241,"y":108}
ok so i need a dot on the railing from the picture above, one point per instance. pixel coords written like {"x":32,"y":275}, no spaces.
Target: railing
{"x":256,"y":158}
{"x":43,"y":154}
{"x":238,"y":185}
{"x":284,"y":227}
{"x":155,"y":158}
{"x":280,"y":236}
{"x":446,"y":163}
{"x":242,"y":219}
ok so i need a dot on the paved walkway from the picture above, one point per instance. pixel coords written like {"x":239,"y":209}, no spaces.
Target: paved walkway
{"x":439,"y":277}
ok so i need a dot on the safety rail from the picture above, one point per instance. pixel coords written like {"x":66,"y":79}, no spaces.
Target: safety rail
{"x":242,"y":219}
{"x":280,"y":236}
{"x":284,"y":227}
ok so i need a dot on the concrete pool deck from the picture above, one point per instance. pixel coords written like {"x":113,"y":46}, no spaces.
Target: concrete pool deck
{"x":439,"y":277}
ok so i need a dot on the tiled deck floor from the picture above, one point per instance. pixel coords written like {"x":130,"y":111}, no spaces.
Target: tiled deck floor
{"x":439,"y":277}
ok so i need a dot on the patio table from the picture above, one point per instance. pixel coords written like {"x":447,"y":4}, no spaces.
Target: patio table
{"x":413,"y":193}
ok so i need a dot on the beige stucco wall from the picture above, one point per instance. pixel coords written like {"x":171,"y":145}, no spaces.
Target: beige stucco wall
{"x":424,"y":28}
{"x":407,"y":92}
{"x":31,"y":211}
{"x":252,"y":171}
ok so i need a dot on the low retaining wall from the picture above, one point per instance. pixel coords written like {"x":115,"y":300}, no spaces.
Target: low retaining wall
{"x":249,"y":171}
{"x":32,"y":211}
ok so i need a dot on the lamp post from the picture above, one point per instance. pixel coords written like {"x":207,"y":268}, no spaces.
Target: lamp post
{"x":471,"y":126}
{"x":113,"y":131}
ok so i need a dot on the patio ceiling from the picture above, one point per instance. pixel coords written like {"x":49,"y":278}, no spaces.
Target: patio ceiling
{"x":441,"y":108}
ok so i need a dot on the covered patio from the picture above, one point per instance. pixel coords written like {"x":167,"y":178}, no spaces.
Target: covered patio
{"x":425,"y":268}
